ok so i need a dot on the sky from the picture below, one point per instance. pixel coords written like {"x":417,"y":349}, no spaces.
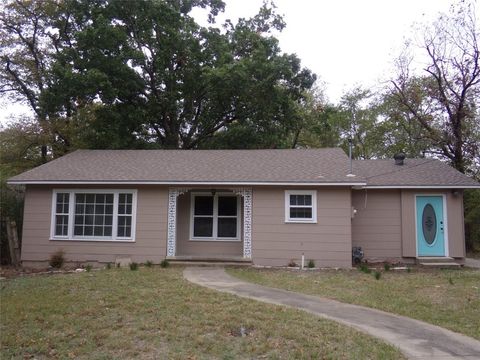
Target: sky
{"x":345,"y":42}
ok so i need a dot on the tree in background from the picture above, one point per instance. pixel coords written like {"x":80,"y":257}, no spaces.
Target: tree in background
{"x":20,"y":150}
{"x":402,"y":132}
{"x":358,"y":116}
{"x":168,"y":82}
{"x":320,"y":124}
{"x":133,"y":74}
{"x":444,"y":101}
{"x":26,"y":53}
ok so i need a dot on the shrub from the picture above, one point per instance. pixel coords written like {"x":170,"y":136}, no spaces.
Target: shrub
{"x":149,"y":263}
{"x":88,"y":267}
{"x":108,"y":266}
{"x":364,"y":268}
{"x":57,"y":259}
{"x":311,"y":264}
{"x":292,"y":263}
{"x":387,"y":267}
{"x":118,"y":265}
{"x":450,"y":280}
{"x":164,"y":263}
{"x":378,"y":275}
{"x":133,"y":266}
{"x":409,"y":269}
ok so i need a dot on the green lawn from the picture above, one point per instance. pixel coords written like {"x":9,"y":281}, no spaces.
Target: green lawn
{"x":155,"y":313}
{"x":448,"y":298}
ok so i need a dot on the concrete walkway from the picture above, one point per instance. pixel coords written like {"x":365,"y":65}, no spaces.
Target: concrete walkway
{"x":416,"y":339}
{"x":473,"y":263}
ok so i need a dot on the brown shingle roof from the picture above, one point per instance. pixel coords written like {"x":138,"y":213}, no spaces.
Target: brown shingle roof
{"x":414,"y":172}
{"x":193,"y":166}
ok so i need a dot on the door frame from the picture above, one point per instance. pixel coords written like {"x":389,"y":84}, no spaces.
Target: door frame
{"x":445,"y":222}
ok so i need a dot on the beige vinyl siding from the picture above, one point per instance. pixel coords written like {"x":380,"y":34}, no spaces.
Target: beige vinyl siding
{"x":328,"y":242}
{"x":377,"y":225}
{"x":454,"y":218}
{"x":150,"y":239}
{"x":456,"y":225}
{"x":187,"y":247}
{"x":409,"y":242}
{"x":384,"y":227}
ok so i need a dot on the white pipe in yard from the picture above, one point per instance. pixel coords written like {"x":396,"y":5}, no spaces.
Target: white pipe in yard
{"x":303,"y":260}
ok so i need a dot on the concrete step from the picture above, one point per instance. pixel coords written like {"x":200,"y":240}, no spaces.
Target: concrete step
{"x":435,"y":259}
{"x":442,"y":265}
{"x":209,"y":264}
{"x":438,"y":262}
{"x":209,"y":260}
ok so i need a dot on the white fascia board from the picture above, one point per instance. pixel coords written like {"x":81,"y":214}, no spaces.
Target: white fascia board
{"x":421,"y":187}
{"x":174,"y":183}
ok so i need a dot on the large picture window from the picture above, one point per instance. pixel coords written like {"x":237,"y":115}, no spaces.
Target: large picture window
{"x":106,"y":215}
{"x":215,"y":217}
{"x":301,"y":206}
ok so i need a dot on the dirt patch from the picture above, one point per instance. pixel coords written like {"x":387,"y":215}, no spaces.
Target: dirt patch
{"x":10,"y":272}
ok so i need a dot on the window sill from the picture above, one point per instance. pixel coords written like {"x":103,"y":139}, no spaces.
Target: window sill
{"x":300,"y":222}
{"x":94,"y":240}
{"x":215,"y":239}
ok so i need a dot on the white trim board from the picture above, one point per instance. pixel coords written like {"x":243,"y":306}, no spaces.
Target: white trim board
{"x":356,"y":185}
{"x":313,"y":194}
{"x":71,"y":215}
{"x":419,"y":187}
{"x":215,"y":216}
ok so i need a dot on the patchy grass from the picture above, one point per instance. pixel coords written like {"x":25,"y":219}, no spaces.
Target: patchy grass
{"x":448,"y":298}
{"x":155,"y":313}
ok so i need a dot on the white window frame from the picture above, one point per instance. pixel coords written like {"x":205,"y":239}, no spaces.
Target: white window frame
{"x":71,"y":215}
{"x":214,"y":236}
{"x":313,"y":219}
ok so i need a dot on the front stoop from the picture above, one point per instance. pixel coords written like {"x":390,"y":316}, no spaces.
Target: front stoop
{"x":442,"y":262}
{"x":209,"y":261}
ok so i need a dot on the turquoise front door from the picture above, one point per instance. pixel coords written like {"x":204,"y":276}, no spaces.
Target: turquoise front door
{"x":430,"y":226}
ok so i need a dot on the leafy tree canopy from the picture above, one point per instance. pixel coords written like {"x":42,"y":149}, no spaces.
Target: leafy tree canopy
{"x":443,"y":101}
{"x":148,"y":75}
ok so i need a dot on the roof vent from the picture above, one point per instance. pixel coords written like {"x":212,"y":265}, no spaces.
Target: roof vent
{"x":399,"y":158}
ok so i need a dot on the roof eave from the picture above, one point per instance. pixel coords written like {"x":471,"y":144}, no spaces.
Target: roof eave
{"x":420,"y":187}
{"x":192,"y":183}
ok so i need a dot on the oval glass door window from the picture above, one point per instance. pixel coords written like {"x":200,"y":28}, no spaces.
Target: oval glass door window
{"x":429,"y":224}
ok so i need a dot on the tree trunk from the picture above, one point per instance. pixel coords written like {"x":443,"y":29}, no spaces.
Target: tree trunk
{"x":13,"y":245}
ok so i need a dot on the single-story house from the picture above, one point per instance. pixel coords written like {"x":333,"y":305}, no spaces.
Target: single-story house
{"x":266,"y":207}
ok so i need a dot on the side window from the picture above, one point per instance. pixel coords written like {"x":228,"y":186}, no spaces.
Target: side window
{"x":62,"y":204}
{"x":301,"y":206}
